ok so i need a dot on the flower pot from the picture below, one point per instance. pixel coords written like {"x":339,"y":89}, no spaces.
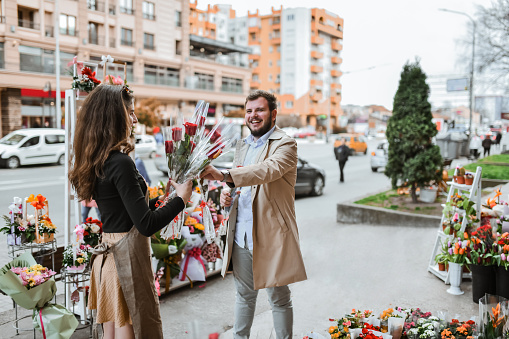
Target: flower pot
{"x":469,"y":181}
{"x":455,"y":272}
{"x":483,"y":281}
{"x":459,"y":179}
{"x":502,"y":282}
{"x":396,"y":327}
{"x":428,"y":195}
{"x":466,"y":269}
{"x":441,"y":266}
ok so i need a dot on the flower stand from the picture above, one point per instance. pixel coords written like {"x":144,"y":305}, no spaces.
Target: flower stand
{"x":13,"y":240}
{"x":455,"y":272}
{"x":483,"y":281}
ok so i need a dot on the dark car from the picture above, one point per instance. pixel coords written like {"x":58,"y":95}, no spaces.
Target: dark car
{"x":310,"y":178}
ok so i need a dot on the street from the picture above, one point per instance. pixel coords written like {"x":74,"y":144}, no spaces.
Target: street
{"x":348,"y":266}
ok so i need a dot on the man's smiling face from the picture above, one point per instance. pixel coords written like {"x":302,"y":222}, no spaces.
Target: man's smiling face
{"x":259,"y":118}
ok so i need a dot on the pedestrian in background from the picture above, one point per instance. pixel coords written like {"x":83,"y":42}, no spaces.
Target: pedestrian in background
{"x":262,"y":246}
{"x":486,"y":144}
{"x":140,"y":166}
{"x":342,"y":152}
{"x":86,"y":206}
{"x":474,"y":146}
{"x":122,"y":280}
{"x":498,"y":138}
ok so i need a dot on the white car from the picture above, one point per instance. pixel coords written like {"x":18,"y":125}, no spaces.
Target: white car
{"x":32,"y":146}
{"x":145,"y":145}
{"x":380,"y":156}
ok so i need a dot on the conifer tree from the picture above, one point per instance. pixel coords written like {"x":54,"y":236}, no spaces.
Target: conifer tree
{"x":413,"y":159}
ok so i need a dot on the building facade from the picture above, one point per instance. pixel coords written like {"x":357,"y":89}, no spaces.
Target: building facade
{"x":153,"y":38}
{"x":295,"y":53}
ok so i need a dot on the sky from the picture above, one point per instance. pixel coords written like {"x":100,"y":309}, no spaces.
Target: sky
{"x":379,"y":37}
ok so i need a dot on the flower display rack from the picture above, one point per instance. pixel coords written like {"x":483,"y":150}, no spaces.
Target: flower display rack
{"x":474,"y":194}
{"x":78,"y":281}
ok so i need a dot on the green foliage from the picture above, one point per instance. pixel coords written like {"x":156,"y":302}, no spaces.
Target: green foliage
{"x":147,"y":112}
{"x":413,"y":159}
{"x":499,"y":158}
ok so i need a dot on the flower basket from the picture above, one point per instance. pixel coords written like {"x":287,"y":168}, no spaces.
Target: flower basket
{"x":483,"y":281}
{"x":44,"y":238}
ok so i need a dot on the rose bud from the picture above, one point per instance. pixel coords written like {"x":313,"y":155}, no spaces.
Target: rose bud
{"x":168,"y":146}
{"x":176,"y":133}
{"x":190,"y":128}
{"x":216,"y":135}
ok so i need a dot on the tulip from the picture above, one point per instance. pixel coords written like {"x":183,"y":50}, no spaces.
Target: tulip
{"x":450,"y":251}
{"x":502,"y":256}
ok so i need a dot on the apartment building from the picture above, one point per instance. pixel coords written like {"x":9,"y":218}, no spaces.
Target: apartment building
{"x":164,"y":60}
{"x":296,"y":54}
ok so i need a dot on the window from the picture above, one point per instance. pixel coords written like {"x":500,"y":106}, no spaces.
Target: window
{"x":126,"y":6}
{"x":54,"y":139}
{"x":148,"y":41}
{"x":270,"y":77}
{"x":158,"y":75}
{"x":95,"y":5}
{"x":279,"y":49}
{"x":270,"y":63}
{"x":204,"y":81}
{"x":93,"y":34}
{"x":231,"y":85}
{"x":178,"y":18}
{"x":2,"y":57}
{"x":26,"y":18}
{"x":289,"y":104}
{"x":126,"y":37}
{"x":178,"y":47}
{"x":148,"y":10}
{"x":253,"y":36}
{"x":31,"y":142}
{"x":256,"y":78}
{"x":117,"y":69}
{"x":270,"y":49}
{"x":33,"y":59}
{"x":67,"y":24}
{"x":290,"y":17}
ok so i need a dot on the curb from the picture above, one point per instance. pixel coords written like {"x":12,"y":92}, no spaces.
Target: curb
{"x":361,"y":214}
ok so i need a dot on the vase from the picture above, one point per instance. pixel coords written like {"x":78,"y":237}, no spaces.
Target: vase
{"x":483,"y":281}
{"x":14,"y":240}
{"x":219,"y":264}
{"x":455,"y":271}
{"x":396,"y":327}
{"x":469,"y":181}
{"x":502,"y":282}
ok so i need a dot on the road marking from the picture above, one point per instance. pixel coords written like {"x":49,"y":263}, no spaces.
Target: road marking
{"x":11,"y":182}
{"x":29,"y":185}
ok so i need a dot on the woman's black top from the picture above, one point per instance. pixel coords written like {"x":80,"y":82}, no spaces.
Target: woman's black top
{"x":120,"y":196}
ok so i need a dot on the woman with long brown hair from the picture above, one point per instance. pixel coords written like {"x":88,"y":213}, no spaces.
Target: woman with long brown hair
{"x":122,"y":282}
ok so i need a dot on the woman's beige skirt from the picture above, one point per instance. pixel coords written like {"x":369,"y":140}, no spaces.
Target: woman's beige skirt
{"x":106,"y":293}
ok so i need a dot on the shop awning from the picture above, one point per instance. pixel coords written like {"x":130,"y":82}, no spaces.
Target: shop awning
{"x":211,"y":46}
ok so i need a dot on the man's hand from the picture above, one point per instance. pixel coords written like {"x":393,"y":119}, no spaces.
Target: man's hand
{"x":225,"y":199}
{"x":211,"y":173}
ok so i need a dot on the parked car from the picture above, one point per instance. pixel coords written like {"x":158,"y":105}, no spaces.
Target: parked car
{"x":32,"y":146}
{"x":356,"y":142}
{"x":380,"y":156}
{"x":310,"y":178}
{"x":145,"y":145}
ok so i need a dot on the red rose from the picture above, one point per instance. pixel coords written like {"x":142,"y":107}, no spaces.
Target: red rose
{"x":190,"y":128}
{"x":216,"y":135}
{"x":168,"y":146}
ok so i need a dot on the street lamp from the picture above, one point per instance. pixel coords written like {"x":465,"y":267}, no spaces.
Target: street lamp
{"x":471,"y":92}
{"x":47,"y":88}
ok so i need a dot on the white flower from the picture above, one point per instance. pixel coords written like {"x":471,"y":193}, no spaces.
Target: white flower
{"x":433,"y":318}
{"x":414,"y":330}
{"x":95,"y":228}
{"x":31,"y":219}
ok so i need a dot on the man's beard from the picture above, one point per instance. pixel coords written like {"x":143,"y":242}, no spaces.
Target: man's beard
{"x":262,"y":131}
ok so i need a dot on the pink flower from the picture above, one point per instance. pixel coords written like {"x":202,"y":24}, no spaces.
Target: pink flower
{"x":502,"y":256}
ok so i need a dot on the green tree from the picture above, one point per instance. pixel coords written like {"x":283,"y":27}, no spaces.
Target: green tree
{"x":147,"y":111}
{"x":413,"y":159}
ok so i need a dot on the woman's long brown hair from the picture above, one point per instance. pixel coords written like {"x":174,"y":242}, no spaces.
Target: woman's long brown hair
{"x":103,"y":125}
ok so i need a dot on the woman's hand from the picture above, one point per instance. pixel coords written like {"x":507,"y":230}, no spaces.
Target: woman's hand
{"x":183,"y":190}
{"x":225,"y":199}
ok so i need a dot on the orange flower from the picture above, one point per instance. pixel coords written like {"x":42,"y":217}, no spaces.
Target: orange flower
{"x":332,"y":329}
{"x":455,"y":251}
{"x":497,"y":193}
{"x":465,"y":235}
{"x":39,"y":202}
{"x":461,"y":251}
{"x":494,"y":318}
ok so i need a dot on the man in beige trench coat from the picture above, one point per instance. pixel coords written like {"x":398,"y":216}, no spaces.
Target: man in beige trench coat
{"x":262,"y":247}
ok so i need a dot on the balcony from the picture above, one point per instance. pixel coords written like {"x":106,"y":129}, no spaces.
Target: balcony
{"x":335,"y":85}
{"x":113,"y":42}
{"x":317,"y":96}
{"x":334,"y":99}
{"x":126,"y":10}
{"x":254,"y":29}
{"x":336,"y":60}
{"x":315,"y":82}
{"x":335,"y":73}
{"x":2,"y":20}
{"x":68,"y":31}
{"x":96,"y":40}
{"x":112,"y":9}
{"x":330,"y":30}
{"x":316,"y":40}
{"x":149,"y":47}
{"x":96,"y":6}
{"x":336,"y":47}
{"x":127,"y":42}
{"x":316,"y":69}
{"x":49,"y":31}
{"x":255,"y":84}
{"x":254,"y":56}
{"x":316,"y":54}
{"x":149,"y":16}
{"x":28,"y":24}
{"x":231,"y":89}
{"x":276,"y":26}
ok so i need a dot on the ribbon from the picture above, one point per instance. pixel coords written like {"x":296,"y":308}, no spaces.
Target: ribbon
{"x":79,"y":65}
{"x":42,"y":325}
{"x":105,"y":59}
{"x":195,"y":253}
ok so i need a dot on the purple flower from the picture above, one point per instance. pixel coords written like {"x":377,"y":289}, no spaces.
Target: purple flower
{"x":502,"y":256}
{"x":449,"y":243}
{"x":450,"y":251}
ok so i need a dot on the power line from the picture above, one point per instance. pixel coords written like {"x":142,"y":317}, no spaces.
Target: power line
{"x":366,"y":69}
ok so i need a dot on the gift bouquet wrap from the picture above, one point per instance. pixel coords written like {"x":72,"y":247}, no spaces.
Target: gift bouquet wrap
{"x":189,"y":148}
{"x":32,"y":287}
{"x":493,"y":313}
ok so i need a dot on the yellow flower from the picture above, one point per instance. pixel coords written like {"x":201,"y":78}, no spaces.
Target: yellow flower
{"x":190,"y":221}
{"x":199,"y":226}
{"x":80,"y":260}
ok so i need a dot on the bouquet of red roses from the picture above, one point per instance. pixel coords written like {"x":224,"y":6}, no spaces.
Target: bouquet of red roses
{"x":189,"y":148}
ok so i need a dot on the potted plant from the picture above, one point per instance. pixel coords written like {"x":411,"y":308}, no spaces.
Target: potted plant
{"x":482,"y":262}
{"x":441,"y":260}
{"x":458,"y":252}
{"x":459,"y":175}
{"x":502,"y":259}
{"x":469,"y":178}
